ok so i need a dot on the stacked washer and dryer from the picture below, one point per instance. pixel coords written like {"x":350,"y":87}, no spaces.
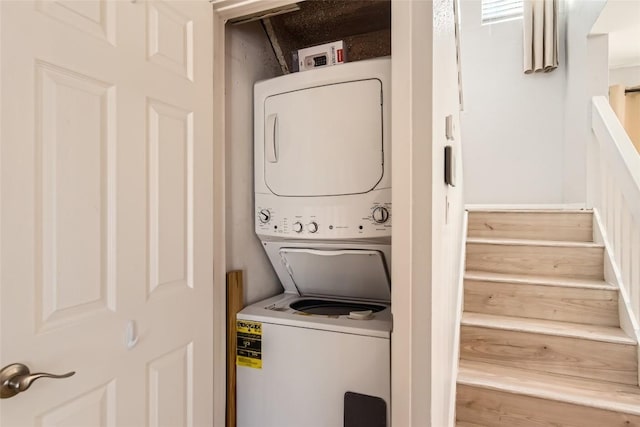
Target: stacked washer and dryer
{"x":318,"y":355}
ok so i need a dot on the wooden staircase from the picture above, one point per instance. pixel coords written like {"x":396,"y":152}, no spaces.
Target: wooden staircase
{"x":540,"y":338}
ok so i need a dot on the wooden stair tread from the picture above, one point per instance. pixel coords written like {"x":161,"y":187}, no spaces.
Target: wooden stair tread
{"x":524,"y":242}
{"x":539,"y":280}
{"x":548,"y":327}
{"x":467,"y":424}
{"x":590,"y":393}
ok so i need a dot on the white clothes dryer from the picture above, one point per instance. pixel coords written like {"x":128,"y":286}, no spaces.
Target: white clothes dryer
{"x":322,"y":154}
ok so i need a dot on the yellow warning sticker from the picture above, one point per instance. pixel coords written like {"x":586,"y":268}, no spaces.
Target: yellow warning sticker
{"x":249,"y":344}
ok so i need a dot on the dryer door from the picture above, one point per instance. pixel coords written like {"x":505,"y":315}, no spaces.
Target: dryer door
{"x":325,"y":140}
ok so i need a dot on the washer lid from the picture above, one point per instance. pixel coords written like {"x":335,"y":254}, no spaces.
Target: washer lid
{"x":354,"y":274}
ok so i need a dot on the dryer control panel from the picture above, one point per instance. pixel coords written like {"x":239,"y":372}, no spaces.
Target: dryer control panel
{"x":340,"y":217}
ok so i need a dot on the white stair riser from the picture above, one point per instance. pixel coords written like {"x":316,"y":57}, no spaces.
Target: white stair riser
{"x":569,"y":304}
{"x":577,"y":357}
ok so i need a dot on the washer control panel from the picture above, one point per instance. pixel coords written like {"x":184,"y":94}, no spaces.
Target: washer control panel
{"x":324,"y":218}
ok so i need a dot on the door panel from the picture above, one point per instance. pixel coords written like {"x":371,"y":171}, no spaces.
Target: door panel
{"x":170,"y":39}
{"x":168,"y":374}
{"x":75,"y":137}
{"x":106,"y":211}
{"x":171,"y":195}
{"x":95,"y":408}
{"x":96,"y":18}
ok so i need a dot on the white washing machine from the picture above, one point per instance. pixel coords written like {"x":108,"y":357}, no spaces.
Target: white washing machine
{"x":300,"y":357}
{"x":318,"y":355}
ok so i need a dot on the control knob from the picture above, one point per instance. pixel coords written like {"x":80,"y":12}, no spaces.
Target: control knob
{"x":264,"y":215}
{"x":312,"y":227}
{"x":297,"y":227}
{"x":380,"y":215}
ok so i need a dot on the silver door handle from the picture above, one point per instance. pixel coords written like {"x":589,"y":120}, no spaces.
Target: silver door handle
{"x":16,"y":378}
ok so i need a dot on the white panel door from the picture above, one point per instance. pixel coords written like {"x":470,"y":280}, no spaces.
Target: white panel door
{"x":106,"y":211}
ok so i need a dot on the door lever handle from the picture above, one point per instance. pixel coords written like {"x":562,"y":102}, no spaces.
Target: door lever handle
{"x":16,"y":378}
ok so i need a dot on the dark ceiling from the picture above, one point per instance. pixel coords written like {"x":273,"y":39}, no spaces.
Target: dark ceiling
{"x":364,"y":26}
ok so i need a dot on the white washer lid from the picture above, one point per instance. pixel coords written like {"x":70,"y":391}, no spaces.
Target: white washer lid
{"x":355,"y":274}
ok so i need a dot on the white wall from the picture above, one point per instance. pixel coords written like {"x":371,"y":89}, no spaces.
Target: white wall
{"x":628,"y":76}
{"x":512,"y":123}
{"x":587,"y":74}
{"x":620,"y":19}
{"x":249,"y":59}
{"x":526,"y":135}
{"x":426,"y":242}
{"x":447,"y":218}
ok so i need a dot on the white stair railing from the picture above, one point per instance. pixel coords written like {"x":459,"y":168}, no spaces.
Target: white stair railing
{"x":616,"y":199}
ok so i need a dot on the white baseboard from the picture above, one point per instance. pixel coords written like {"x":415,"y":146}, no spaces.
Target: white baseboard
{"x":459,"y":305}
{"x":548,"y":206}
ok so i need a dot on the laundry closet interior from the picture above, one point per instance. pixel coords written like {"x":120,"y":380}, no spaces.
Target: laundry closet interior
{"x":250,"y":58}
{"x":260,"y":48}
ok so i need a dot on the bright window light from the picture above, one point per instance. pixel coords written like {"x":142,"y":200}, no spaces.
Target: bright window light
{"x":500,"y":10}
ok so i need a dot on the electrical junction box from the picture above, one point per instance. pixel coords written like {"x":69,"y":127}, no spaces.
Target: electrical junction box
{"x":323,"y":55}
